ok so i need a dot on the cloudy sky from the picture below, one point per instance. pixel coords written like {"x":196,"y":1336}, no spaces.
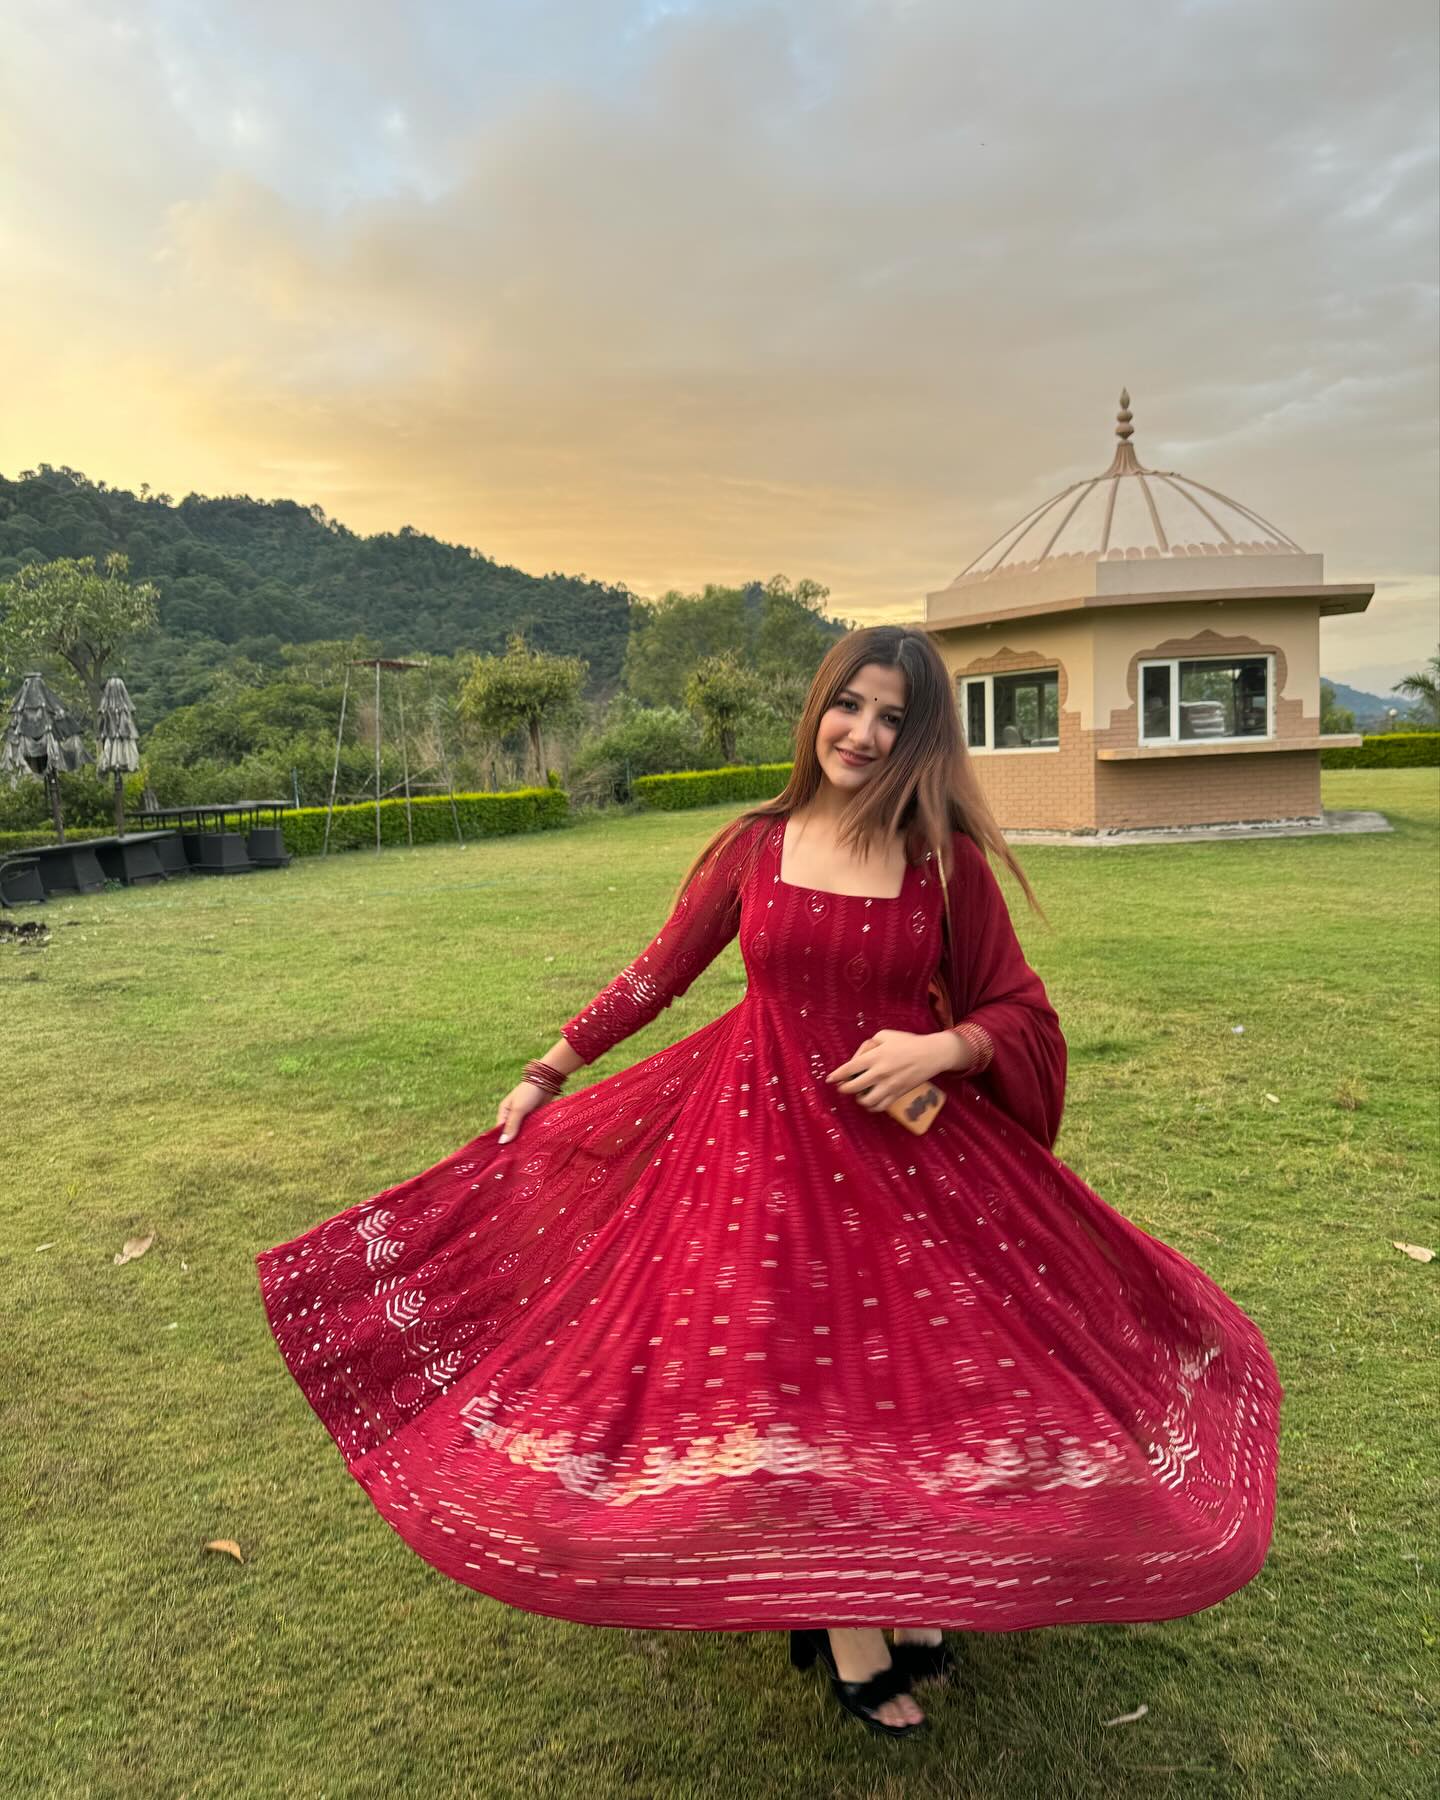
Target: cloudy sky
{"x":668,"y":292}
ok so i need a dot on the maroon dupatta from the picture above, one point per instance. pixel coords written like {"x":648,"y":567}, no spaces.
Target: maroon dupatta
{"x":986,"y":980}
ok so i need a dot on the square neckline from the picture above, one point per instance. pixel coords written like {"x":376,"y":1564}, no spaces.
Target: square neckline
{"x":833,"y":893}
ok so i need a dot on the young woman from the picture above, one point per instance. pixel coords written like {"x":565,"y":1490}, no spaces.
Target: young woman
{"x":719,"y":1343}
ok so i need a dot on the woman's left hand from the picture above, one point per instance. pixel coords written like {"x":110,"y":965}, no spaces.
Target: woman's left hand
{"x":890,"y":1063}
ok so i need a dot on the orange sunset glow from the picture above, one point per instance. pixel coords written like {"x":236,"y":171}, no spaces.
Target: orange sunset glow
{"x":677,"y":293}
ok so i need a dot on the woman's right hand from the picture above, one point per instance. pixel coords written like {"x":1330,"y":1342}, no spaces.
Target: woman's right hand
{"x":517,"y":1104}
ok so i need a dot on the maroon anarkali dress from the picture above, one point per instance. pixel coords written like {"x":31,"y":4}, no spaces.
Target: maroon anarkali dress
{"x":710,"y":1345}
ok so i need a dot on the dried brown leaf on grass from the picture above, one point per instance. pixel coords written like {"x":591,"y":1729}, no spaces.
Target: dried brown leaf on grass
{"x":133,"y":1248}
{"x":228,"y":1546}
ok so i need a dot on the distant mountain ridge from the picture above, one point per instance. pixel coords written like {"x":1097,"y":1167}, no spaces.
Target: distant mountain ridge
{"x":238,"y":575}
{"x":1369,"y":706}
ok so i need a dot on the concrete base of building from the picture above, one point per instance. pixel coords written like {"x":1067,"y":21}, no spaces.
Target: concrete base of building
{"x":1328,"y":824}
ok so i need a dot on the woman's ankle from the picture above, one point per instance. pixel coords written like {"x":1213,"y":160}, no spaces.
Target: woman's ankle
{"x":929,"y":1635}
{"x":859,"y":1653}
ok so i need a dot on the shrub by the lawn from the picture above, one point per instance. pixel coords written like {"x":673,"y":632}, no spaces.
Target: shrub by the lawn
{"x":1388,"y":750}
{"x":708,"y":787}
{"x":32,"y":840}
{"x":481,"y":815}
{"x":353,"y":827}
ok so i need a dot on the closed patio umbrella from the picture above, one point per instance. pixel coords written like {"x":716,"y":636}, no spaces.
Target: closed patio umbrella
{"x":42,"y":739}
{"x":119,"y":742}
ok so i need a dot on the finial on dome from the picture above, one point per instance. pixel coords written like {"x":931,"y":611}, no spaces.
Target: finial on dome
{"x":1125,"y":461}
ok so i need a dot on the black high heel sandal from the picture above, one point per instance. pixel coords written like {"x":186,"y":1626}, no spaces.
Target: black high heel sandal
{"x":924,"y":1662}
{"x":862,"y":1699}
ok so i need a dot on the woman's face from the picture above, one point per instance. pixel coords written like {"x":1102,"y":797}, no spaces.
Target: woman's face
{"x":859,"y":727}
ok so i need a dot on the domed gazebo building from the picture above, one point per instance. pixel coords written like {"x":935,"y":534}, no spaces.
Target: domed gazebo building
{"x":1141,"y":652}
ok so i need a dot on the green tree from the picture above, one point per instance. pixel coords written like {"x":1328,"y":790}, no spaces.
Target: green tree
{"x":524,"y":690}
{"x":1334,"y":717}
{"x":634,"y":740}
{"x":75,"y":611}
{"x":722,"y":694}
{"x":1423,"y":687}
{"x":323,"y":661}
{"x":237,"y":573}
{"x":794,"y":633}
{"x":669,"y":636}
{"x":776,"y":629}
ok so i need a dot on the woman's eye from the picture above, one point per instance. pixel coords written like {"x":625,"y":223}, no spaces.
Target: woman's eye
{"x":890,"y":719}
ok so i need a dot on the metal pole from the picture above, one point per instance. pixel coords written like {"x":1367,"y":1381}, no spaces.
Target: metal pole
{"x":405,"y":764}
{"x":377,"y":754}
{"x":445,"y":768}
{"x":335,"y":772}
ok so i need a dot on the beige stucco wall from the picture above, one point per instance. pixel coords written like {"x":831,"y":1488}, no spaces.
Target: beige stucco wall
{"x":1289,"y":629}
{"x":1098,"y":654}
{"x":1178,"y":574}
{"x":1064,"y":638}
{"x":1062,"y":578}
{"x":1034,"y":789}
{"x":1079,"y":576}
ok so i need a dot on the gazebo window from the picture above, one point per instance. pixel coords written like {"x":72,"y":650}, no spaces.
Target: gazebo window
{"x":1012,"y":712}
{"x":1207,"y":699}
{"x":976,"y":709}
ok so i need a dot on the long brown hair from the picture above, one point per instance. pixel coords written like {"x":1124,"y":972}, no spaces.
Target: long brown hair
{"x":926,"y":787}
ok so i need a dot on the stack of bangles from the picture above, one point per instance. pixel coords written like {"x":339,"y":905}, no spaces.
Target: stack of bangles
{"x":544,"y":1075}
{"x":980,"y":1042}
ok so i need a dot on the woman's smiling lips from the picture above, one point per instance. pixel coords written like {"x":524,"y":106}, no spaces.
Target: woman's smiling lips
{"x":853,"y":761}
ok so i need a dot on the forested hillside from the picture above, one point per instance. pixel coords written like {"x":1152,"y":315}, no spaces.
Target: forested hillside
{"x":1371,"y":711}
{"x":241,"y":577}
{"x":262,"y":604}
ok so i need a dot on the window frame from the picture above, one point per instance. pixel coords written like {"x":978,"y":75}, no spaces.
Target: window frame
{"x":986,"y":683}
{"x":1172,"y":664}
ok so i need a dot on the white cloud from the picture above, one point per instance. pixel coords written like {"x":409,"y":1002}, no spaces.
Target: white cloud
{"x":840,"y":290}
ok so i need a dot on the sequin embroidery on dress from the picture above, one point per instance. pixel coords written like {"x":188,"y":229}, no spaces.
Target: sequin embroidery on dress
{"x":710,"y":1345}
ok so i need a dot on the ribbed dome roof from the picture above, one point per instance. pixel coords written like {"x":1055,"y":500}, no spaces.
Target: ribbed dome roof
{"x":1130,"y":513}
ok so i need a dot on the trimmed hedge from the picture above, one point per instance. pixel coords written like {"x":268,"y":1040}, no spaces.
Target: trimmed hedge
{"x":708,"y":787}
{"x":353,"y":827}
{"x":481,"y":815}
{"x":1388,"y":750}
{"x":43,"y":835}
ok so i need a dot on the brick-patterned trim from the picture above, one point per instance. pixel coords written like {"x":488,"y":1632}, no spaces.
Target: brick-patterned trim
{"x":1056,"y":788}
{"x":1007,"y":662}
{"x":1071,"y":790}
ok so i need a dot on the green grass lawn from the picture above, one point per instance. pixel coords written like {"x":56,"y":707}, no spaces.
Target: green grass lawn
{"x":225,"y":1063}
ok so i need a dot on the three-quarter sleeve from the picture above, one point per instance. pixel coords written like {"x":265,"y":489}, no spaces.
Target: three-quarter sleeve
{"x":705,"y":919}
{"x":1000,"y":1002}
